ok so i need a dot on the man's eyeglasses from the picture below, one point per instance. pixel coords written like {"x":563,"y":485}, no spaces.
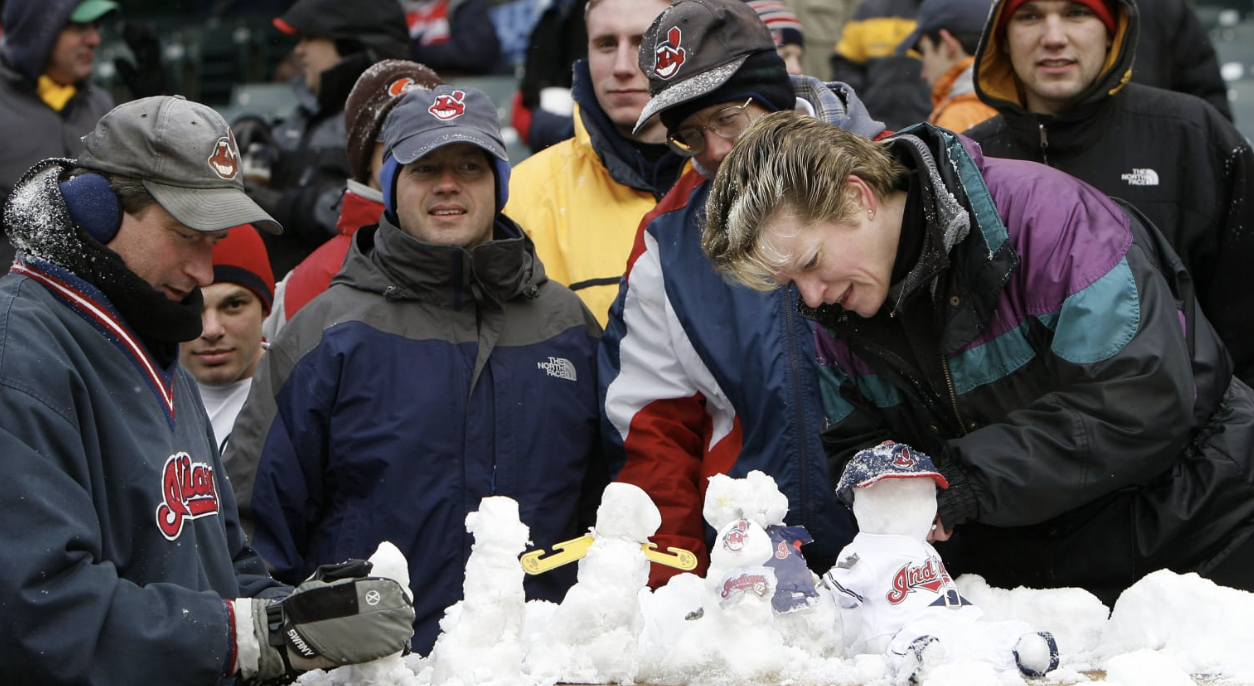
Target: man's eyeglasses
{"x":728,"y":122}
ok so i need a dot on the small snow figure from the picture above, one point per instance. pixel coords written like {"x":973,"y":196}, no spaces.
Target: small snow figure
{"x":908,"y":607}
{"x":479,"y":644}
{"x":593,"y":635}
{"x":387,"y":562}
{"x":757,"y":498}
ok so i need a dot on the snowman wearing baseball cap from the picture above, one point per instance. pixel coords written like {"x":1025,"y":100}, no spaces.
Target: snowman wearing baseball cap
{"x":891,"y":583}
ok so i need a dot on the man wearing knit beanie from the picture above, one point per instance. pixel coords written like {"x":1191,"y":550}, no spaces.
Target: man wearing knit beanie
{"x":225,"y":355}
{"x":1058,"y":75}
{"x":790,"y":40}
{"x":695,"y":373}
{"x":375,"y":93}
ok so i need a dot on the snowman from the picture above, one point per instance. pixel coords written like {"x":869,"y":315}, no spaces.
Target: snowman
{"x":893,"y":581}
{"x":593,"y":635}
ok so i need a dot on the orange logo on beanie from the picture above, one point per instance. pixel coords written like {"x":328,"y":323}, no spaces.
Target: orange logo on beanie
{"x":225,"y":158}
{"x":400,"y":87}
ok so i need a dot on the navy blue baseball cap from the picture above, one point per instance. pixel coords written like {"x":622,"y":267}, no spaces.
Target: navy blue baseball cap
{"x":959,"y":17}
{"x":888,"y":460}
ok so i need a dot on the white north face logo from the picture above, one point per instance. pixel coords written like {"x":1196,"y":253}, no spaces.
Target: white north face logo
{"x":1141,"y":177}
{"x":559,"y":367}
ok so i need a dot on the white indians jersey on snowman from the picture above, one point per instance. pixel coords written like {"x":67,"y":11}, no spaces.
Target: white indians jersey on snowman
{"x":894,"y":580}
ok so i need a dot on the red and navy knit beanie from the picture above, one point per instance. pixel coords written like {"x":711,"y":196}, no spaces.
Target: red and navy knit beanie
{"x":241,"y":258}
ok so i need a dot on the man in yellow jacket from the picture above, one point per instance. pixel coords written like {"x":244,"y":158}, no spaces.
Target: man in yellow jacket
{"x":582,"y":200}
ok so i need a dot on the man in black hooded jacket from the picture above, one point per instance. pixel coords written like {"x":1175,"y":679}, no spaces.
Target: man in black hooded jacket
{"x":1057,"y":72}
{"x":337,"y":42}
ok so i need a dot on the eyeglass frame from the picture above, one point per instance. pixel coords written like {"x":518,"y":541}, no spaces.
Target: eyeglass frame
{"x":672,"y":138}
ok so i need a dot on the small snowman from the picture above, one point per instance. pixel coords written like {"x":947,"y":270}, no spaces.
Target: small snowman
{"x":756,"y":498}
{"x":480,"y":640}
{"x":593,"y":635}
{"x":893,"y":581}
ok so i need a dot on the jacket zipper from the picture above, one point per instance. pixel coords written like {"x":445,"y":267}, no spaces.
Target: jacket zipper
{"x":798,"y":397}
{"x":1044,"y":144}
{"x":953,"y":396}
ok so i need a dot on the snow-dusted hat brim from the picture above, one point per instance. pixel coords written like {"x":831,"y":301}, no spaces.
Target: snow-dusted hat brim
{"x":688,"y":89}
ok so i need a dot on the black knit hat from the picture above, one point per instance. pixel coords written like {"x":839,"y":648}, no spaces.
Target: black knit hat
{"x":763,"y":77}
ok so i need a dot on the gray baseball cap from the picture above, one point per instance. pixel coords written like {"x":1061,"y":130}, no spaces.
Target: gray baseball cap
{"x":694,"y":46}
{"x":424,"y":120}
{"x":185,"y":155}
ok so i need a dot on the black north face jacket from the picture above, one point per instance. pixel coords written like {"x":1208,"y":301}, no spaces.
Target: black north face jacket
{"x":1172,"y":156}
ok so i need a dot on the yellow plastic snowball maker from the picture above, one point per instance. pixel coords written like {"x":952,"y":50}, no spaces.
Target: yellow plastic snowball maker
{"x":537,"y":562}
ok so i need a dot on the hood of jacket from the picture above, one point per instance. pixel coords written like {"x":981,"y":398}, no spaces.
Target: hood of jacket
{"x":836,"y":103}
{"x":997,"y":84}
{"x":30,"y":32}
{"x":384,"y":259}
{"x":626,"y":164}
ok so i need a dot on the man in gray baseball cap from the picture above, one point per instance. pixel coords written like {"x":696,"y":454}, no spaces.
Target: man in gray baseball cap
{"x":471,"y":355}
{"x":128,"y":535}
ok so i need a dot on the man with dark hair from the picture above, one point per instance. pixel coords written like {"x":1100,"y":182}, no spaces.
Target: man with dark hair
{"x":46,"y":97}
{"x":337,"y":41}
{"x":1057,"y":73}
{"x":700,"y":377}
{"x":440,"y":367}
{"x":124,"y":556}
{"x":224,"y":356}
{"x":946,"y":35}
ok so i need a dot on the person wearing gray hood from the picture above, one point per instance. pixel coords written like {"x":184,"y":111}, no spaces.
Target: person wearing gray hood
{"x":46,"y":58}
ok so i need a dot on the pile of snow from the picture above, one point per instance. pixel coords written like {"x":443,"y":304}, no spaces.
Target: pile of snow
{"x":1167,"y":630}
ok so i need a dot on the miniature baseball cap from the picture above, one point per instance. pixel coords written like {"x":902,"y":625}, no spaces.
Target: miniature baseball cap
{"x":185,"y":155}
{"x":888,"y":460}
{"x":376,"y":92}
{"x":425,"y":120}
{"x":694,"y":47}
{"x":959,"y":17}
{"x":1104,"y":11}
{"x":241,"y":258}
{"x":90,"y":11}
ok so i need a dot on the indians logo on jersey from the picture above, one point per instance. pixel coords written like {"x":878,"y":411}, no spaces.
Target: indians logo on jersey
{"x":448,"y":106}
{"x":224,"y":161}
{"x":930,"y":576}
{"x":670,"y":57}
{"x":188,"y":492}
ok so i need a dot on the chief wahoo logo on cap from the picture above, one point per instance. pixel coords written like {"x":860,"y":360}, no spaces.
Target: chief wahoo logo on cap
{"x":448,"y":106}
{"x":670,"y":57}
{"x":225,"y":158}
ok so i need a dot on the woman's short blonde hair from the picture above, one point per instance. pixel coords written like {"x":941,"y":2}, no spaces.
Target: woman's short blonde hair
{"x":786,"y":162}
